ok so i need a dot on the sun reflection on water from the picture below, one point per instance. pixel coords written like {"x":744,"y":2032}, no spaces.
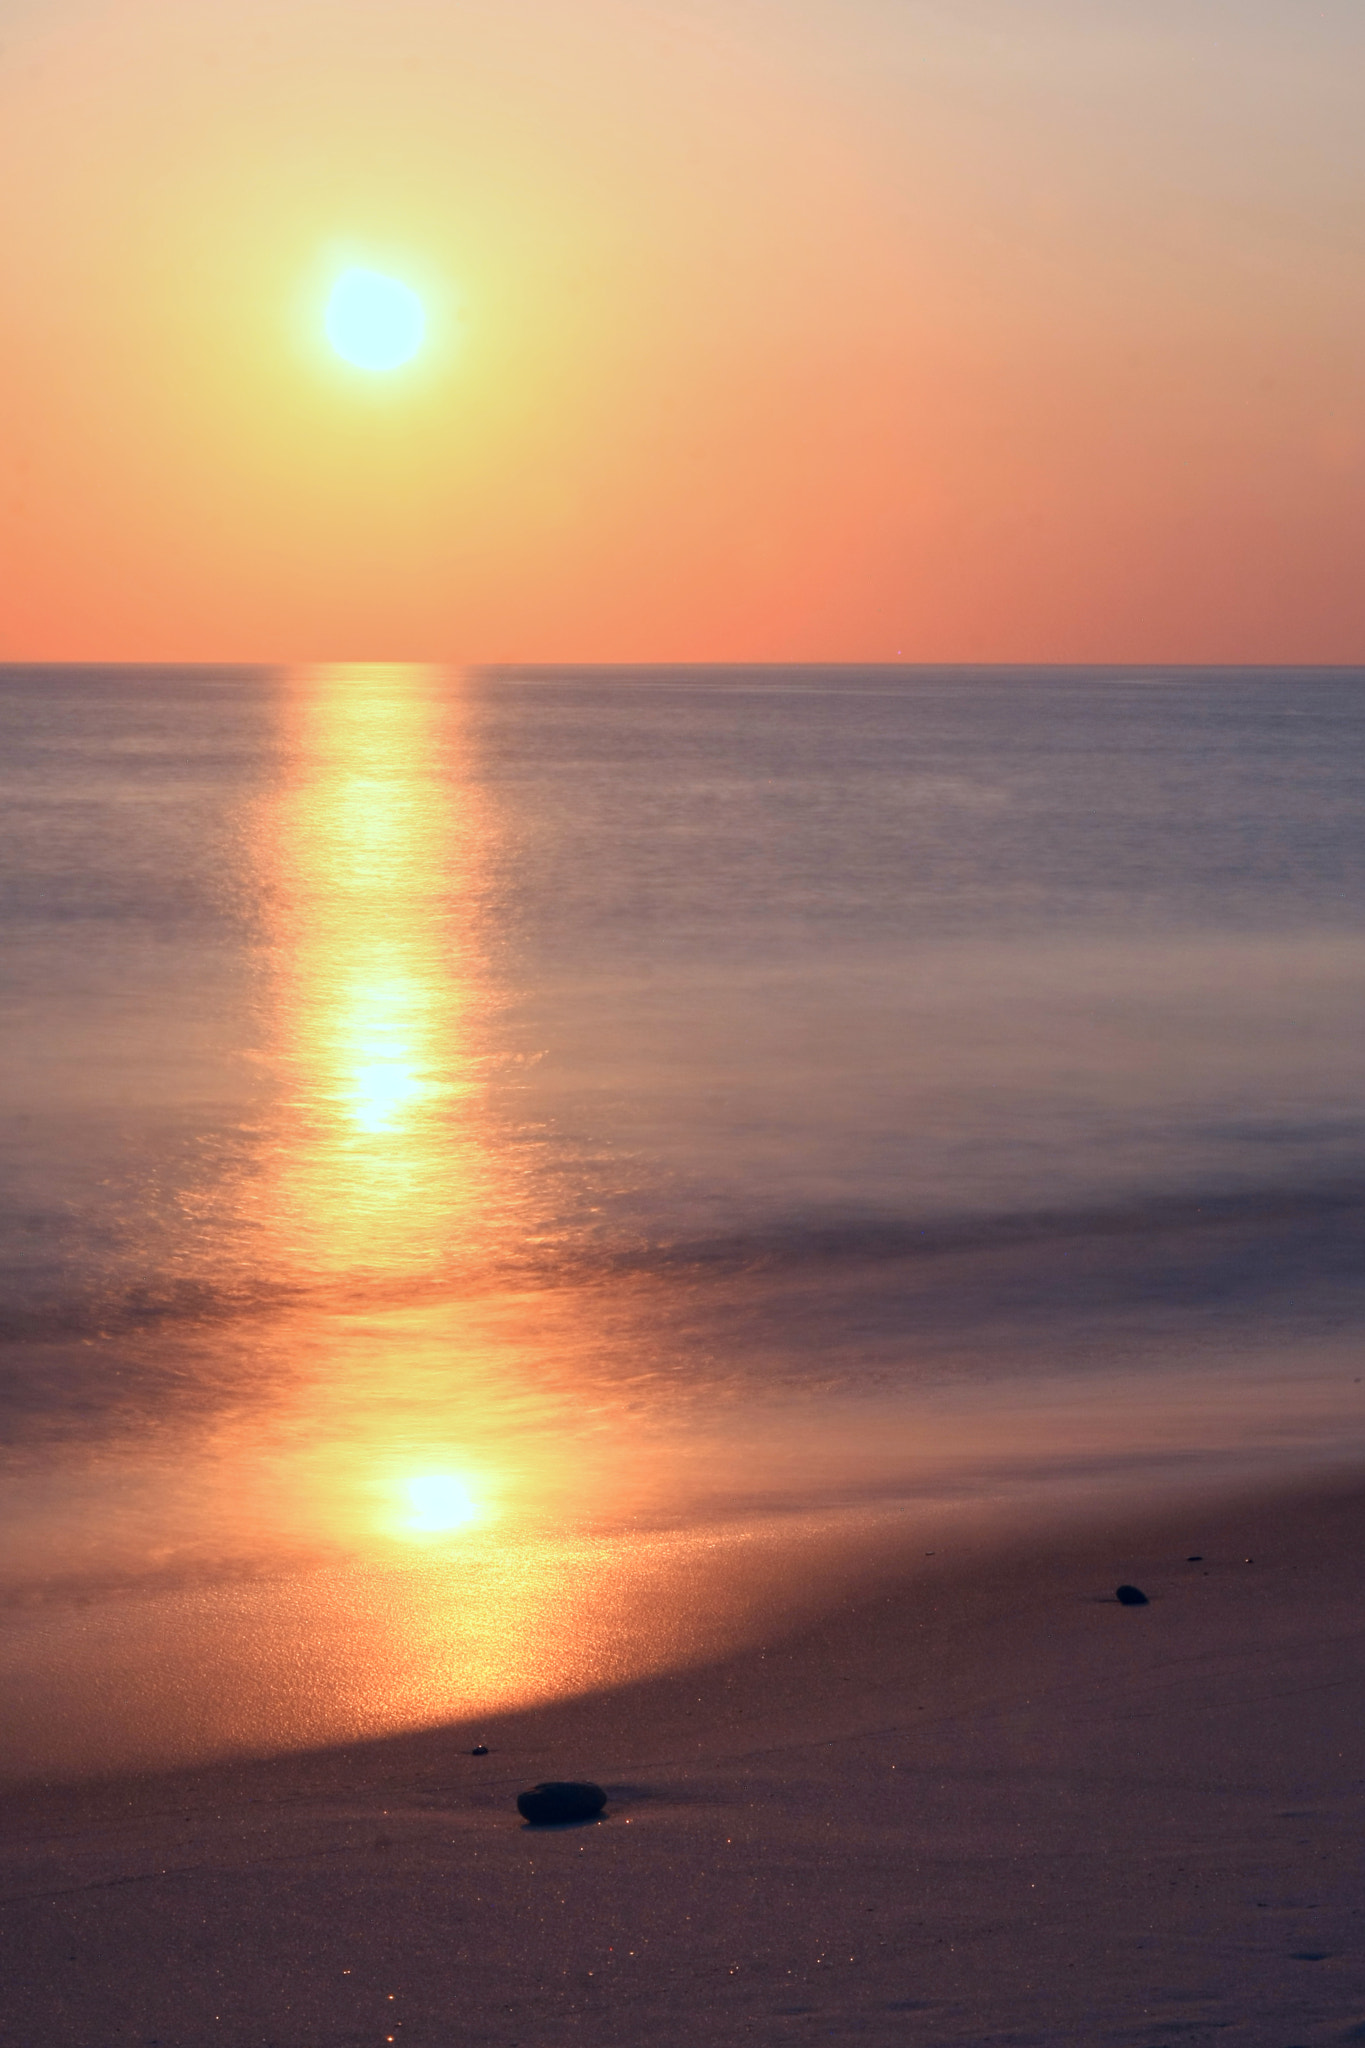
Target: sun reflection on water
{"x":389,"y":1190}
{"x":384,"y":1170}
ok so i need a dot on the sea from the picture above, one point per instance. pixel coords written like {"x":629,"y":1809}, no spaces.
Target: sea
{"x":506,"y":1174}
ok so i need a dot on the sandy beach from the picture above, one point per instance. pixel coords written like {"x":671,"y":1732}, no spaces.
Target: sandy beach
{"x":978,"y":1800}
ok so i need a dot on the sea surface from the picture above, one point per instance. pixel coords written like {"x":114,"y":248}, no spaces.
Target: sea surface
{"x":498,"y":1170}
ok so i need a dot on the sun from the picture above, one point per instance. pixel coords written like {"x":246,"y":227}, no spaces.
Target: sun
{"x":439,"y":1502}
{"x":373,"y":321}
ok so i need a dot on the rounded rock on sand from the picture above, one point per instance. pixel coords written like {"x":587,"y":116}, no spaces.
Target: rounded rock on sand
{"x":552,"y":1804}
{"x":1130,"y":1596}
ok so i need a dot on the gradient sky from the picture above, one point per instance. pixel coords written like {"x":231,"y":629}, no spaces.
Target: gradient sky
{"x":760,"y":329}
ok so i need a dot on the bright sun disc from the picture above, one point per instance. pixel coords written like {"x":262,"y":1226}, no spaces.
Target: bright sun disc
{"x":373,"y":321}
{"x":439,"y":1502}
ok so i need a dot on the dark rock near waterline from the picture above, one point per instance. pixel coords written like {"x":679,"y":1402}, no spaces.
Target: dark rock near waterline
{"x":550,"y":1805}
{"x":1130,"y":1596}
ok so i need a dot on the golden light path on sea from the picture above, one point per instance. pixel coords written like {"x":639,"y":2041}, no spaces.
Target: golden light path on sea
{"x":386,"y":1183}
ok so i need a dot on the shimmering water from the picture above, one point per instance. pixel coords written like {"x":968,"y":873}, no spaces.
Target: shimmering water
{"x":480,"y":1151}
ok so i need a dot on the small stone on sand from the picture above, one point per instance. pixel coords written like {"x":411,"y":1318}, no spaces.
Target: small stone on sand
{"x":1130,"y":1596}
{"x":552,"y":1804}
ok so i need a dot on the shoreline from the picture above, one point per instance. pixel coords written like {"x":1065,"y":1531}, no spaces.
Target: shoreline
{"x":975,"y":1800}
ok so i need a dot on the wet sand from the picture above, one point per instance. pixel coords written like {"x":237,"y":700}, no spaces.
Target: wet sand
{"x":976,"y":1801}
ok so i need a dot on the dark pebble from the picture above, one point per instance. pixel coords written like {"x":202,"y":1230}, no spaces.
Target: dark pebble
{"x":548,"y":1806}
{"x":1130,"y":1596}
{"x":479,"y":1749}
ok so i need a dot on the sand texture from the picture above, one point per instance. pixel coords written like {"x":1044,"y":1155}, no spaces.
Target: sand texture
{"x":980,"y":1801}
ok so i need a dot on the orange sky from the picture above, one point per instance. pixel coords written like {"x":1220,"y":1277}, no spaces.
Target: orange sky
{"x":771,"y":329}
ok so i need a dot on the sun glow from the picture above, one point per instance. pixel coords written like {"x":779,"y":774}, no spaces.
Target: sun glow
{"x":439,"y":1502}
{"x":373,"y":321}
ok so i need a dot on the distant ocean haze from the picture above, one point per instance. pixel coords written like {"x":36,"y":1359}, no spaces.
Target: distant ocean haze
{"x":641,"y":1108}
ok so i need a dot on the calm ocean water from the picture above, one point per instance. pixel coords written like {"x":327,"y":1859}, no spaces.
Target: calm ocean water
{"x":472,"y":1147}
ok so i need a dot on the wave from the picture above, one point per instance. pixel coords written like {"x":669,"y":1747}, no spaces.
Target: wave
{"x":806,"y":1243}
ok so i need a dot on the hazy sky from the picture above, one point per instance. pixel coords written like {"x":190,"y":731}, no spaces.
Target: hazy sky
{"x":764,"y":329}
